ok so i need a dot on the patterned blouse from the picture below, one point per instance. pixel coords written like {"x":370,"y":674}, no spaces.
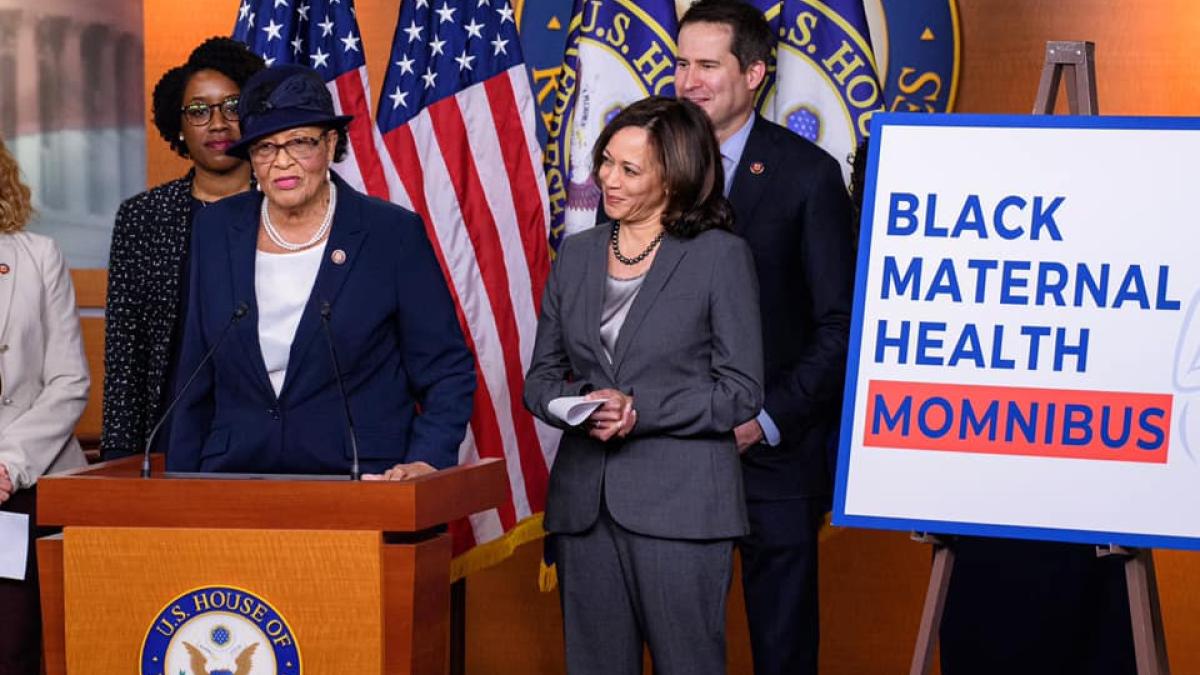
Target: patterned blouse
{"x":146,"y":264}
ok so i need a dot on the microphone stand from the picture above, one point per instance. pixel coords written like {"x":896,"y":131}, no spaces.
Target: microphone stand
{"x":355,"y":471}
{"x":240,"y":311}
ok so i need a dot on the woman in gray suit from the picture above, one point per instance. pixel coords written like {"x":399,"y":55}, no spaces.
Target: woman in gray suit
{"x":656,"y":315}
{"x":43,"y":390}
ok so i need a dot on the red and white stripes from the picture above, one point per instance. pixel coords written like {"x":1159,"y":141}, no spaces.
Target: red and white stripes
{"x":362,"y":167}
{"x":470,"y":166}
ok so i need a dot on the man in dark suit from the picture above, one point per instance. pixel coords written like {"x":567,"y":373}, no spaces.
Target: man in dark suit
{"x":792,"y":207}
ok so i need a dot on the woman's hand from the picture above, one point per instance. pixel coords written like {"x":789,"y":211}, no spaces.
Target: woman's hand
{"x":402,"y":472}
{"x":6,"y":484}
{"x":616,"y":418}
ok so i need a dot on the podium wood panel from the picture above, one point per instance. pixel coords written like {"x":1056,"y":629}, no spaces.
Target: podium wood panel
{"x":101,"y":495}
{"x":327,"y":586}
{"x":50,"y":573}
{"x":344,"y":562}
{"x":417,"y":603}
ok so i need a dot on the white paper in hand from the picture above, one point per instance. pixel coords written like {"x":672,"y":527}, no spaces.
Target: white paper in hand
{"x":574,"y":409}
{"x":14,"y":545}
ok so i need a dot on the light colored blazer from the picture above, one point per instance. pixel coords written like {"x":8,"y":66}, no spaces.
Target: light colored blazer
{"x":43,"y":370}
{"x":690,"y":352}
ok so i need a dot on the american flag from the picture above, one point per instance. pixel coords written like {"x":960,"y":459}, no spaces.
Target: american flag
{"x":457,"y":117}
{"x":324,"y":35}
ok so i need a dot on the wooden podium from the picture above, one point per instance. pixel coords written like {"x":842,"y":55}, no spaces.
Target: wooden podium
{"x":348,"y":576}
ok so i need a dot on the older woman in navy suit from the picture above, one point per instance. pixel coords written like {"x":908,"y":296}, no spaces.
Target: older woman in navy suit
{"x":308,"y":266}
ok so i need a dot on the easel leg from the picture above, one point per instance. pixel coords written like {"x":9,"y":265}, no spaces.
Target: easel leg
{"x":1145,"y":615}
{"x":458,"y":627}
{"x":935,"y":603}
{"x":1047,"y":92}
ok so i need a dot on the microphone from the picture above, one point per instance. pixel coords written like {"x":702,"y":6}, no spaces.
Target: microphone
{"x":238,"y":312}
{"x":355,"y":471}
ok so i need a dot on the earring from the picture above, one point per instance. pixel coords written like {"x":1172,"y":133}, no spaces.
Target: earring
{"x":181,"y":137}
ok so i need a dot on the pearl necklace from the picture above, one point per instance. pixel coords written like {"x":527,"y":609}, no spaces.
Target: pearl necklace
{"x":286,"y":245}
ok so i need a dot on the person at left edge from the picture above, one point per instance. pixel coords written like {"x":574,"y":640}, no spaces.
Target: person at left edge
{"x":43,"y":390}
{"x":268,"y":400}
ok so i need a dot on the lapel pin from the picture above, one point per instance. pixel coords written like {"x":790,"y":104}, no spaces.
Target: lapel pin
{"x":4,"y":268}
{"x":757,"y":168}
{"x":338,"y":256}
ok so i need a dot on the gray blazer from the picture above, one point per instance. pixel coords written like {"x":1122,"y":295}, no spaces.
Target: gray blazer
{"x":689,"y":352}
{"x":43,"y":370}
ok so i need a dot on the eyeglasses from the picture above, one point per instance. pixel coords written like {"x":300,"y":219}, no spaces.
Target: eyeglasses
{"x":300,"y":148}
{"x":198,"y":114}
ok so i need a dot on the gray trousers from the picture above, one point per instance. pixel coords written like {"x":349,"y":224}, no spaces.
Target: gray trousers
{"x":621,"y":590}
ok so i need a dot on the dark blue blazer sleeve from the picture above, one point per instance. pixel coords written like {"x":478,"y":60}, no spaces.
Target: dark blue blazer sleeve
{"x":440,"y":366}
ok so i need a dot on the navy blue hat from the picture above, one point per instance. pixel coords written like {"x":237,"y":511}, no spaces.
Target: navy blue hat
{"x":283,"y":97}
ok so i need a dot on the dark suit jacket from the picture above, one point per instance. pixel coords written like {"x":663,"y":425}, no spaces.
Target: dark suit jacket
{"x":393,"y":324}
{"x":694,"y":372}
{"x":792,"y":207}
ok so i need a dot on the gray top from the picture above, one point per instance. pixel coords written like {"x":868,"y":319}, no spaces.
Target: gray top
{"x":618,"y":298}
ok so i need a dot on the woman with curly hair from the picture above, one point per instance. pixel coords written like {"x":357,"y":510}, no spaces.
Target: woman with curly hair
{"x":195,"y":110}
{"x":43,"y":390}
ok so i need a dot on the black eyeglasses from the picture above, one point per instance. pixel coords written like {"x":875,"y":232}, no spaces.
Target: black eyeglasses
{"x":300,"y":148}
{"x":198,"y":114}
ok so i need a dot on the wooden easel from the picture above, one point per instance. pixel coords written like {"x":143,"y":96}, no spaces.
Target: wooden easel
{"x":1076,"y":60}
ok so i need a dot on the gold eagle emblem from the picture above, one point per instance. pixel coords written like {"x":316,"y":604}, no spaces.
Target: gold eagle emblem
{"x":199,"y":662}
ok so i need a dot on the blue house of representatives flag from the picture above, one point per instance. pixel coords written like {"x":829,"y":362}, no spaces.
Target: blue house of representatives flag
{"x":824,"y":84}
{"x":618,"y":52}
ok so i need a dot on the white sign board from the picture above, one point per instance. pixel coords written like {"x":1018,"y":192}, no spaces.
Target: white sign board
{"x":1025,"y":348}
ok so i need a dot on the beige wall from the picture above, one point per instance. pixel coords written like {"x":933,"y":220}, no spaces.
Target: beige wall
{"x":872,"y":582}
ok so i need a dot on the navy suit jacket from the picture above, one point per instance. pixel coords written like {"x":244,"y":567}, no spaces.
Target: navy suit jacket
{"x":393,"y":324}
{"x":791,"y":206}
